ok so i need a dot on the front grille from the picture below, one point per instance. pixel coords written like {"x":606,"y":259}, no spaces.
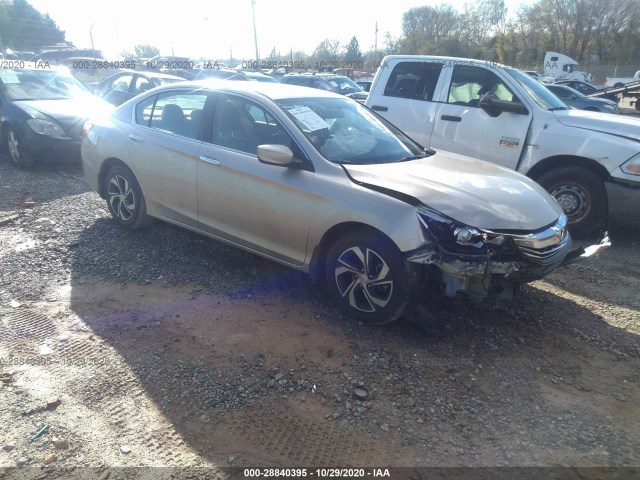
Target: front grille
{"x":545,"y":245}
{"x":540,"y":255}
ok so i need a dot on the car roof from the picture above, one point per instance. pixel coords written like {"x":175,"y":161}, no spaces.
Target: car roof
{"x":562,"y":82}
{"x":555,"y":85}
{"x":274,"y":91}
{"x":418,"y":58}
{"x":148,"y":73}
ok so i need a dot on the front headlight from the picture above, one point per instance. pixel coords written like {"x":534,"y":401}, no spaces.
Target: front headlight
{"x":632,"y":166}
{"x":45,"y":127}
{"x":451,"y":235}
{"x":611,"y":108}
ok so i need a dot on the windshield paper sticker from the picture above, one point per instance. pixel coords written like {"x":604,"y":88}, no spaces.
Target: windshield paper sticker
{"x":509,"y":142}
{"x":9,"y":77}
{"x":309,"y":118}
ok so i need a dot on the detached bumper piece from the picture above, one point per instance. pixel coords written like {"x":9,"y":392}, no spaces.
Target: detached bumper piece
{"x":582,"y":253}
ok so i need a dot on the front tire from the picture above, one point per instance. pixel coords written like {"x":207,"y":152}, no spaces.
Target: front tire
{"x":581,"y":194}
{"x":16,"y":151}
{"x":367,"y":277}
{"x":124,"y":198}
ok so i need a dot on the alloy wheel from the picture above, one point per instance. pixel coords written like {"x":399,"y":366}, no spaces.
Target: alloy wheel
{"x":14,"y":146}
{"x":121,"y":197}
{"x":364,"y":279}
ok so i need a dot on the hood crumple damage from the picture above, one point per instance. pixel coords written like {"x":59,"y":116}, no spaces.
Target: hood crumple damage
{"x":471,"y":191}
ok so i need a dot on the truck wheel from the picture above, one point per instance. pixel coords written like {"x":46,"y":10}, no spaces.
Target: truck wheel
{"x":581,"y":194}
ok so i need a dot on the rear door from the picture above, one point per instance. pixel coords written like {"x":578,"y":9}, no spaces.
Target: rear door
{"x":462,"y":126}
{"x":409,"y":97}
{"x":163,"y":145}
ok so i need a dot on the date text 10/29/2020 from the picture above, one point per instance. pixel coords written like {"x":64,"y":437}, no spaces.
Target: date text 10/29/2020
{"x":316,"y":472}
{"x":48,"y":360}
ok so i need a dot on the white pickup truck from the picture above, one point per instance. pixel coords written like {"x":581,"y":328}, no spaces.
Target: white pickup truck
{"x":590,"y":162}
{"x":621,"y":81}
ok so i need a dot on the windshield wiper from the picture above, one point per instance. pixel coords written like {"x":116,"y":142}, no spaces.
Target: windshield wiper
{"x":414,"y":157}
{"x":558,"y":108}
{"x":427,"y":153}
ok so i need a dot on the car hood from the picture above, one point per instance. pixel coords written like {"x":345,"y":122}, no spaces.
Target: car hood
{"x":470,"y":191}
{"x":70,"y":113}
{"x":619,"y":125}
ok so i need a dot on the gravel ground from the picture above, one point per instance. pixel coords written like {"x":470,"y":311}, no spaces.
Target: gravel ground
{"x":165,"y":348}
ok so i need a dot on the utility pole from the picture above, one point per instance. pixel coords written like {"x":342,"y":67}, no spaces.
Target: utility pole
{"x":92,"y":47}
{"x":255,"y":35}
{"x":375,"y":49}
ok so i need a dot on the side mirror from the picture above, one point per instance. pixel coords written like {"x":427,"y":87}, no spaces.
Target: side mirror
{"x":279,"y":155}
{"x":572,"y":97}
{"x":494,"y":106}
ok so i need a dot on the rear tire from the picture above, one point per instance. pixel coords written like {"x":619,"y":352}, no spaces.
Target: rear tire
{"x":367,"y":277}
{"x":125,"y":199}
{"x":581,"y":194}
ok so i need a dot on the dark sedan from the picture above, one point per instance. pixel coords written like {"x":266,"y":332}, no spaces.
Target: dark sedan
{"x":575,"y":99}
{"x":125,"y":85}
{"x":42,"y":112}
{"x":586,"y":88}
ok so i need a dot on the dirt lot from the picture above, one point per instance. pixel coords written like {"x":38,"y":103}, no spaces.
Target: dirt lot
{"x":165,"y":348}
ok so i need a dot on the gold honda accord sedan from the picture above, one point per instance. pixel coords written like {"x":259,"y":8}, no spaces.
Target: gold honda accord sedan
{"x":320,"y":183}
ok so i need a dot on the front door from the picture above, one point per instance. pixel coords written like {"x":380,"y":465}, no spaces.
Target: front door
{"x":462,"y":126}
{"x":265,"y":208}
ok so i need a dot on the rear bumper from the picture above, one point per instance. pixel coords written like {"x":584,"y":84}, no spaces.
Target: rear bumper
{"x":624,"y":200}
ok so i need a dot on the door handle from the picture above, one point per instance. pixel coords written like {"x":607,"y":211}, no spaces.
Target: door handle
{"x":209,"y":160}
{"x":379,"y":108}
{"x":451,"y":118}
{"x":136,"y":138}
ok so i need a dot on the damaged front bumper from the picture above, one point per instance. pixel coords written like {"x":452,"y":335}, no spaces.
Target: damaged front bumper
{"x":504,"y":260}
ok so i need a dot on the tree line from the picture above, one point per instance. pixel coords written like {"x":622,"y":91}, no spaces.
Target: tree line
{"x":590,"y":31}
{"x":23,"y":28}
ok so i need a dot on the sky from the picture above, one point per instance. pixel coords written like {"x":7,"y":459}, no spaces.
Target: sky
{"x":214,"y":29}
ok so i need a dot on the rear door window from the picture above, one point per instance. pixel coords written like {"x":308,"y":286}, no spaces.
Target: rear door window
{"x":178,"y":112}
{"x":416,"y":80}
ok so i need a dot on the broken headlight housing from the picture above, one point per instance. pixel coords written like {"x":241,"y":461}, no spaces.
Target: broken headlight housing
{"x":451,"y":235}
